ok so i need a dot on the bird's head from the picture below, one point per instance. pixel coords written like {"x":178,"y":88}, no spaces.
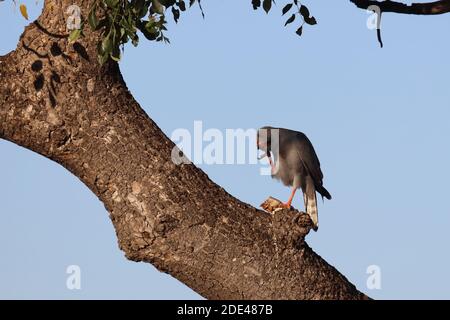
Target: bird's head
{"x":263,"y":139}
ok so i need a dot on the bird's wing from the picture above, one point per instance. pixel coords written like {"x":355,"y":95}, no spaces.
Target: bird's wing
{"x":308,"y":157}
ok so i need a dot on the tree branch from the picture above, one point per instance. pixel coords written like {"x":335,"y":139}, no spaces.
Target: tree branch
{"x":429,"y":8}
{"x":81,"y":115}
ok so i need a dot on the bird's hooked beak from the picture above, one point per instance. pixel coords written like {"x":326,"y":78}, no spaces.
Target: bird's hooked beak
{"x":266,"y":152}
{"x":263,"y":147}
{"x":262,"y":144}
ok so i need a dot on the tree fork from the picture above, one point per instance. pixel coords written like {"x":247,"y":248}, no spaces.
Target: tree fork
{"x":56,"y":100}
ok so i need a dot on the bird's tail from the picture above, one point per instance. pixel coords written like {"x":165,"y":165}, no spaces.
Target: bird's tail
{"x":309,"y":196}
{"x":323,"y":192}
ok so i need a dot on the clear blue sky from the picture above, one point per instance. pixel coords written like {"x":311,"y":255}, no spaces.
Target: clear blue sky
{"x":379,"y":119}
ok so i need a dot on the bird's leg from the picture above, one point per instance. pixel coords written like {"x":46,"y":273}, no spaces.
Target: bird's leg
{"x":289,"y":202}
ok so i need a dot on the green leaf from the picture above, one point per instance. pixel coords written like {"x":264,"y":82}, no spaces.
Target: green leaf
{"x":101,"y":24}
{"x":141,"y":7}
{"x":182,"y":5}
{"x":135,"y":40}
{"x":115,"y":54}
{"x":167,"y":3}
{"x":102,"y":58}
{"x":107,"y":44}
{"x":256,"y":4}
{"x":117,"y":59}
{"x":74,"y":35}
{"x":290,"y":20}
{"x":92,"y":18}
{"x":149,"y":30}
{"x":267,"y":5}
{"x":157,"y":7}
{"x":176,"y":14}
{"x":299,"y":31}
{"x":112,"y":3}
{"x":287,"y":8}
{"x":311,"y":21}
{"x":304,"y":11}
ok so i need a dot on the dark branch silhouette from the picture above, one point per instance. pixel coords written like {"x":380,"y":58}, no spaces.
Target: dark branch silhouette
{"x":428,"y":8}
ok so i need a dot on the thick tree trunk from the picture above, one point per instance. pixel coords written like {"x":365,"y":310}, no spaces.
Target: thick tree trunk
{"x":57,"y":101}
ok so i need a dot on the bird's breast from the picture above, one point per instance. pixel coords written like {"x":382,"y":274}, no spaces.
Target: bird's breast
{"x":283,"y":173}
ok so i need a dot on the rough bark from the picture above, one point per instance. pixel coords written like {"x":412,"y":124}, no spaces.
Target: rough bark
{"x":57,"y":101}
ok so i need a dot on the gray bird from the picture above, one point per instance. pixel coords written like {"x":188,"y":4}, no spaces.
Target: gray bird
{"x":295,"y":163}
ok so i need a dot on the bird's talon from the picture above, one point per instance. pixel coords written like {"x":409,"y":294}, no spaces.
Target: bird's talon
{"x":286,"y":205}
